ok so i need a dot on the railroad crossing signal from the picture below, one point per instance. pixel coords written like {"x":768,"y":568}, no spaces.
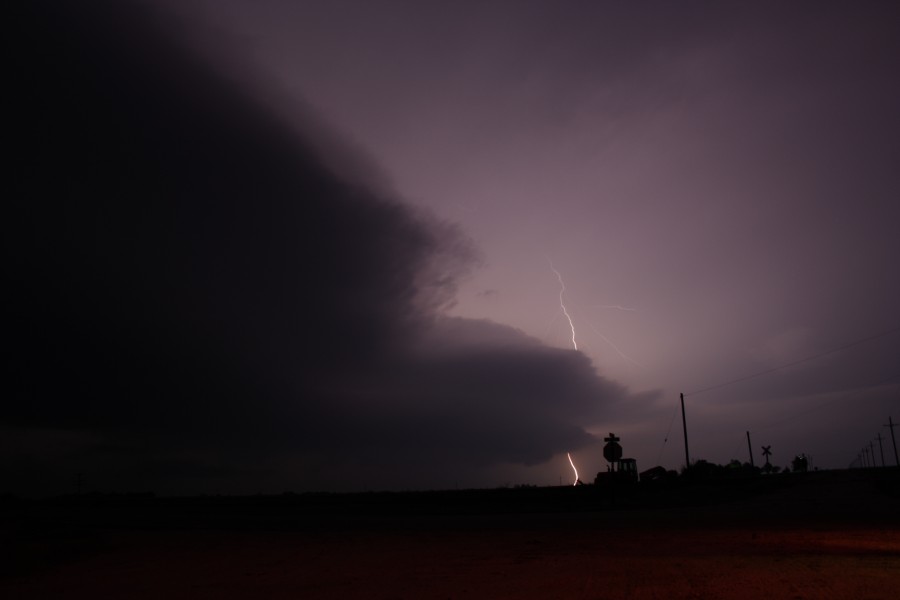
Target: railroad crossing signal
{"x":612,"y":451}
{"x":767,"y":450}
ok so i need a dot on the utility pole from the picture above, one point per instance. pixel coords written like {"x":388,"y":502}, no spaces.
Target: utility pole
{"x":866,"y":454}
{"x":750,"y":450}
{"x":881,"y":448}
{"x":891,"y":424}
{"x":872,"y":452}
{"x":687,"y":455}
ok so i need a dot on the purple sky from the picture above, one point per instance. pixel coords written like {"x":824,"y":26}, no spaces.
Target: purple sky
{"x":718,"y":185}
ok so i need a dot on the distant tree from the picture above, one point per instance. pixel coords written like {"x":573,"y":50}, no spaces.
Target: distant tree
{"x":737,"y":469}
{"x":703,"y":470}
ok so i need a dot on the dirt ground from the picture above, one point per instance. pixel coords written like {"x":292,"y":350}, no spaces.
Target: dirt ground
{"x":542,"y":562}
{"x":728,"y":551}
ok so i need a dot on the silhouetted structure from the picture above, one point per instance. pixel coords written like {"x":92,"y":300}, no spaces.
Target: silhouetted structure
{"x":612,"y":451}
{"x":750,"y":450}
{"x":881,"y":448}
{"x":800,"y":464}
{"x":628,"y":470}
{"x":767,"y":451}
{"x":620,"y":469}
{"x":656,"y":473}
{"x":891,"y":425}
{"x":687,"y":455}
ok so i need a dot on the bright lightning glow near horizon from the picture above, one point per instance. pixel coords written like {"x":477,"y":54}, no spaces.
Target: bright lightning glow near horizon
{"x":562,"y":289}
{"x":573,"y":468}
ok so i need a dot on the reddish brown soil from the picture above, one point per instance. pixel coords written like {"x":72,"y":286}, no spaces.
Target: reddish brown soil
{"x":542,"y":563}
{"x":754,"y":549}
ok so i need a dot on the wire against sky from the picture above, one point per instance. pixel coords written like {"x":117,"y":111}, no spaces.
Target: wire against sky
{"x":796,"y":362}
{"x":668,"y":431}
{"x":843,"y":396}
{"x":562,"y":289}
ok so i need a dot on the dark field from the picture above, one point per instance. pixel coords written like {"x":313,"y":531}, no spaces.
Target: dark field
{"x":820,"y":535}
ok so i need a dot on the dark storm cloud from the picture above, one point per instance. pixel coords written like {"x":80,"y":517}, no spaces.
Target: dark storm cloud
{"x":729,"y":169}
{"x":195,"y":292}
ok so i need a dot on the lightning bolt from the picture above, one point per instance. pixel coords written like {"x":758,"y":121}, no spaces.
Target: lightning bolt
{"x":573,"y":468}
{"x":616,"y":306}
{"x":562,"y":304}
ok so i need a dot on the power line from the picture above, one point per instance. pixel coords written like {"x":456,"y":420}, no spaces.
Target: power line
{"x":794,"y":363}
{"x":666,"y":439}
{"x":845,"y":395}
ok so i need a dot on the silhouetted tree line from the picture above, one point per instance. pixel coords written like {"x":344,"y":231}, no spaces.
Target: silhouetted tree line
{"x":707,"y":471}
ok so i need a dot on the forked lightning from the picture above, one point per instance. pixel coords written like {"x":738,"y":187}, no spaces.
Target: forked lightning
{"x":562,"y":304}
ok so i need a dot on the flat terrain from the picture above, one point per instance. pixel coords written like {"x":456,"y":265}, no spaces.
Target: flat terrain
{"x":825,"y":535}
